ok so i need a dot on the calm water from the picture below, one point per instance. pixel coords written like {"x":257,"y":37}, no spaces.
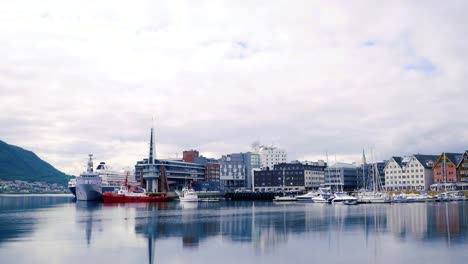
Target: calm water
{"x":56,"y":229}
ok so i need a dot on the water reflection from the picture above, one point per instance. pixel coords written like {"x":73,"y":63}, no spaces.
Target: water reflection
{"x":85,"y":217}
{"x":267,"y":226}
{"x":272,"y":232}
{"x":18,"y":216}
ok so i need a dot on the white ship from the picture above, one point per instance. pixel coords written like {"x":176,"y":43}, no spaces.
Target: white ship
{"x":90,"y":185}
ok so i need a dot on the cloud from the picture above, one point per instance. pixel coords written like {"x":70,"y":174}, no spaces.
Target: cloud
{"x":311,"y":77}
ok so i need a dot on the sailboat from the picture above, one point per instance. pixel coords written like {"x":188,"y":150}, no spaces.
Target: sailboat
{"x":376,"y":195}
{"x":284,"y":198}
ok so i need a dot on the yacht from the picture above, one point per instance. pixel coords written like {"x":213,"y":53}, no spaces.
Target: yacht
{"x":341,"y":197}
{"x":308,"y":196}
{"x":187,"y":195}
{"x":324,"y":195}
{"x":373,"y":197}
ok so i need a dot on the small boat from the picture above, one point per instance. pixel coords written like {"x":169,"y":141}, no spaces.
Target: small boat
{"x":320,"y":199}
{"x":341,"y":197}
{"x":308,"y":196}
{"x":187,"y":195}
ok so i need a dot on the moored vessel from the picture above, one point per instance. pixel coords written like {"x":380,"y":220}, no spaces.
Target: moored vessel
{"x":187,"y":195}
{"x":88,"y":184}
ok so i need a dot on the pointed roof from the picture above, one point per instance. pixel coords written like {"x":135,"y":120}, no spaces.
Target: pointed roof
{"x":461,"y":159}
{"x":453,"y":157}
{"x":398,"y":160}
{"x":427,"y":161}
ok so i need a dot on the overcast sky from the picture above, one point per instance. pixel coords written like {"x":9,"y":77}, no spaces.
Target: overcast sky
{"x":79,"y":77}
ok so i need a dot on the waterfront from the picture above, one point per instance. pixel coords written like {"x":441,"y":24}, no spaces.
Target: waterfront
{"x":56,"y":229}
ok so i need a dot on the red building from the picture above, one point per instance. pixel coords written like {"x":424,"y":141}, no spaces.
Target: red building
{"x":445,"y":168}
{"x":190,"y":155}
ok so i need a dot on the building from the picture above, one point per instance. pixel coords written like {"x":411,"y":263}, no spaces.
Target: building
{"x":341,"y":177}
{"x":166,"y":175}
{"x":190,"y":155}
{"x":409,"y":173}
{"x":269,"y":156}
{"x":445,"y":168}
{"x":213,"y":167}
{"x":252,"y":163}
{"x":298,"y":176}
{"x":462,"y":168}
{"x":232,"y":171}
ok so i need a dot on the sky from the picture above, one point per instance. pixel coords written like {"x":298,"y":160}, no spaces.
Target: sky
{"x":311,"y":77}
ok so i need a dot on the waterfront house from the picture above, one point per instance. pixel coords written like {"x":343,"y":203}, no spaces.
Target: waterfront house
{"x":445,"y":168}
{"x":409,"y":173}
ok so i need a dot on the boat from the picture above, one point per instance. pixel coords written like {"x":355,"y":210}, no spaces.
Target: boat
{"x":376,"y":195}
{"x":341,"y":197}
{"x":284,"y":198}
{"x":187,"y":195}
{"x":373,"y":197}
{"x":450,"y":196}
{"x":72,"y":186}
{"x":308,"y":196}
{"x":125,"y":194}
{"x":324,"y":195}
{"x":110,"y":180}
{"x":88,"y":184}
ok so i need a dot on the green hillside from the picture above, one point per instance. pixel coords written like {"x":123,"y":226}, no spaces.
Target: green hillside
{"x":20,"y":164}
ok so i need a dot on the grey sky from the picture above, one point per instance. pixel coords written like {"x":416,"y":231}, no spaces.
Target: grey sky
{"x":79,"y":77}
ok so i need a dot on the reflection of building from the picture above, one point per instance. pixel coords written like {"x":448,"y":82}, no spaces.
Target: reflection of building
{"x":409,"y":173}
{"x":408,"y":219}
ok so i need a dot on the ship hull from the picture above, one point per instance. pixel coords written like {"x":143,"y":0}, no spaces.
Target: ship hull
{"x":122,"y":198}
{"x":88,"y":192}
{"x":72,"y":190}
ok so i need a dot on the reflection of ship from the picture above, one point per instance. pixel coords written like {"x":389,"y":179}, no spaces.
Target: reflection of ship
{"x":94,"y":183}
{"x":85,"y":215}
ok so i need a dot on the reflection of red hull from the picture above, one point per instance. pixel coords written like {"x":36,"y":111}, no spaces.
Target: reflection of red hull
{"x":122,"y":198}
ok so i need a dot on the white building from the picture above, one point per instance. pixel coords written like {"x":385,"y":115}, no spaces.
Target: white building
{"x":270,"y":156}
{"x":409,"y":173}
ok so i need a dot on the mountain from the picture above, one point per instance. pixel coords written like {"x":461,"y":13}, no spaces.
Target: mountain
{"x":20,"y":164}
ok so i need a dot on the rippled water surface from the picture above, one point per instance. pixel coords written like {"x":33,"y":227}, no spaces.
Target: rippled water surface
{"x":57,"y":229}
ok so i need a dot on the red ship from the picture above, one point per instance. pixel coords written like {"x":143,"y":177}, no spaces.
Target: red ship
{"x":131,"y":194}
